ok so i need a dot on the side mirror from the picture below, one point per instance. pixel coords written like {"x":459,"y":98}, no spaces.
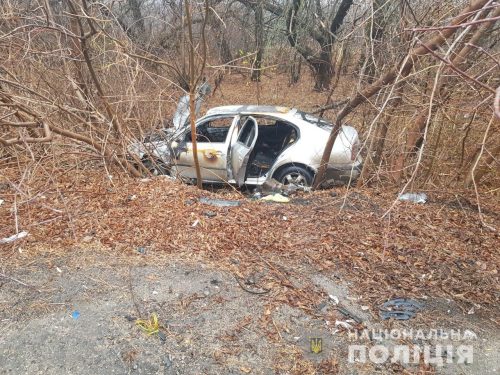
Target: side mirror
{"x":178,"y":148}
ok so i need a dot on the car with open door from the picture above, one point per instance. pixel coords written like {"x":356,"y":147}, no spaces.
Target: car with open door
{"x":249,"y":144}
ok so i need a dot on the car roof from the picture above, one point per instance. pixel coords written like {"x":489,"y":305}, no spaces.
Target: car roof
{"x":250,"y":109}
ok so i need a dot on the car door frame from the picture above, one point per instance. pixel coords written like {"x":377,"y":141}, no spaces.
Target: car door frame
{"x":212,"y":156}
{"x":242,"y":151}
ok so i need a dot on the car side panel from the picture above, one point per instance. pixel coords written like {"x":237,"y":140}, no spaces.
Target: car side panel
{"x":212,"y":158}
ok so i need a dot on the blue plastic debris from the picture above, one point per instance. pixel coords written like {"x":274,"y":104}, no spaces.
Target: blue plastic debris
{"x":75,"y":314}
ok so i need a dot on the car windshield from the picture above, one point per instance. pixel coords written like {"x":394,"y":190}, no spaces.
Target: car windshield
{"x":314,"y":120}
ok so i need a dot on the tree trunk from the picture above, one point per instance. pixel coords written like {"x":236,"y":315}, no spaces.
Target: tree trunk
{"x":474,"y":175}
{"x":323,"y":70}
{"x":193,"y":79}
{"x":138,"y":29}
{"x":321,"y":65}
{"x":259,"y":42}
{"x":222,"y":42}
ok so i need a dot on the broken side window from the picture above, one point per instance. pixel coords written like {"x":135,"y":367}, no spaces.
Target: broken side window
{"x":314,"y":120}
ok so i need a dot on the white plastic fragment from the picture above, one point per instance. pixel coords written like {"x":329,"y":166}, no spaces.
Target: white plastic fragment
{"x":339,"y":323}
{"x":413,"y":197}
{"x":1,"y":201}
{"x":334,"y":299}
{"x":196,"y":222}
{"x":14,"y":237}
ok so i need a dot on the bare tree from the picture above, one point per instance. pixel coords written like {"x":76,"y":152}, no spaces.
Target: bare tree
{"x":259,"y":41}
{"x":195,"y":76}
{"x":319,"y":61}
{"x":401,"y":69}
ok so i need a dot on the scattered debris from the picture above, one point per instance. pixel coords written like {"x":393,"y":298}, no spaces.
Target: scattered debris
{"x":130,"y":318}
{"x":150,"y":326}
{"x":75,"y":314}
{"x":1,"y":201}
{"x":87,"y":239}
{"x":257,"y":195}
{"x":209,"y":214}
{"x":14,"y":237}
{"x":167,"y":362}
{"x":246,"y":289}
{"x":334,"y":299}
{"x":278,"y":198}
{"x":322,"y":307}
{"x":413,"y":197}
{"x":196,"y":222}
{"x":272,"y":186}
{"x":339,"y":323}
{"x":399,"y":309}
{"x":301,"y":201}
{"x":219,"y":202}
{"x":162,"y":336}
{"x":349,"y":314}
{"x":141,"y":250}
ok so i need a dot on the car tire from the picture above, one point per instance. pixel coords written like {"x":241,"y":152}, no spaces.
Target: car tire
{"x":294,"y":175}
{"x":156,"y":167}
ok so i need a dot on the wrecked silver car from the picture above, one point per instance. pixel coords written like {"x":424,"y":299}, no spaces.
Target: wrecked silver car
{"x":249,"y":144}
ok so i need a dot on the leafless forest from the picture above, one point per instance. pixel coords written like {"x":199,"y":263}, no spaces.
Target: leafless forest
{"x":80,"y":80}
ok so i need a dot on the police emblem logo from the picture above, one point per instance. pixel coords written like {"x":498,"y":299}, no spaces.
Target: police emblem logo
{"x":316,"y":344}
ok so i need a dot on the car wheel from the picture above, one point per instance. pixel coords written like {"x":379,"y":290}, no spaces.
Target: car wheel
{"x":155,"y":167}
{"x":295,"y":175}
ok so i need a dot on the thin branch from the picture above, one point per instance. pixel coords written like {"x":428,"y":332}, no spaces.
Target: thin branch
{"x":454,"y":26}
{"x":459,"y":71}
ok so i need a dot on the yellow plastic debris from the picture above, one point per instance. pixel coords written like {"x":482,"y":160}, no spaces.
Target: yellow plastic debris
{"x":276,"y":198}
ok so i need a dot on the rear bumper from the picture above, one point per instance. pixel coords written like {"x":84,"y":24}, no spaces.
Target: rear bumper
{"x":342,"y":176}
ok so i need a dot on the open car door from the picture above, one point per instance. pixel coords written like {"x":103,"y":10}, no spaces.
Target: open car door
{"x":241,"y":149}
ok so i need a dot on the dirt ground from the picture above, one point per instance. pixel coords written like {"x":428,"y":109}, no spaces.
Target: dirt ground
{"x":237,"y":290}
{"x":210,"y":325}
